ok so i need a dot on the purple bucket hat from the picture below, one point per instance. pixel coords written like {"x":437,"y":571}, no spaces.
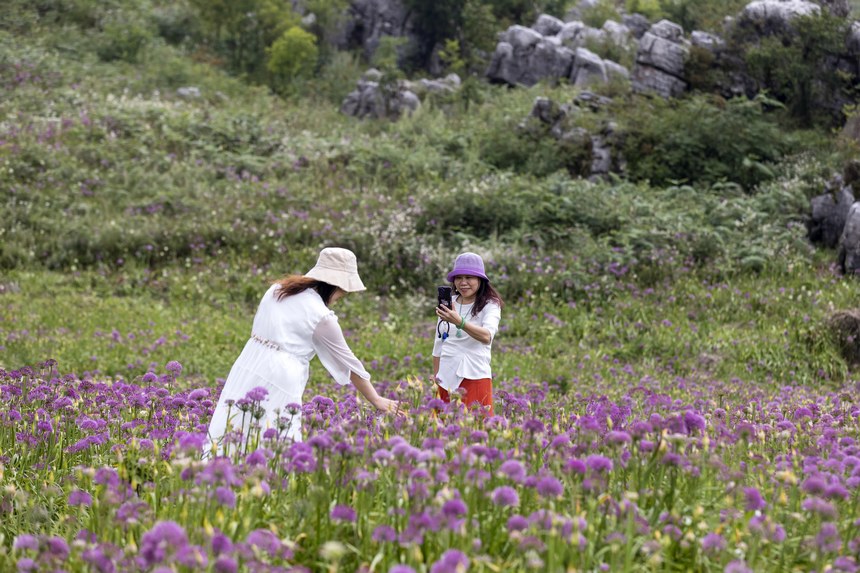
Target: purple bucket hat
{"x":468,"y":264}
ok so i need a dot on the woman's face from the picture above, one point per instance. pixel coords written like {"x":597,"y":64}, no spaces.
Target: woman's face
{"x":337,"y":295}
{"x":467,"y":285}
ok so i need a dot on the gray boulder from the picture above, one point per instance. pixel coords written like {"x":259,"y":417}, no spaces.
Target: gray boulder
{"x":371,"y":99}
{"x":660,"y":60}
{"x":636,"y":23}
{"x":706,"y":40}
{"x":614,"y":70}
{"x":579,"y":11}
{"x":618,"y":34}
{"x":367,"y":21}
{"x":448,"y":84}
{"x":852,"y":42}
{"x":840,"y":8}
{"x":190,"y":92}
{"x":525,"y":57}
{"x":569,"y":33}
{"x":829,"y":214}
{"x":561,"y":123}
{"x":844,"y":326}
{"x":849,"y":242}
{"x":588,"y":69}
{"x":547,"y":25}
{"x":774,"y":16}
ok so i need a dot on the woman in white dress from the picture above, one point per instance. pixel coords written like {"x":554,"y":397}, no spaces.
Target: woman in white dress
{"x":293,"y":324}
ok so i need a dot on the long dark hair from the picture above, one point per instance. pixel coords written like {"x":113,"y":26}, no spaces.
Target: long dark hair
{"x":486,"y":293}
{"x":294,"y":284}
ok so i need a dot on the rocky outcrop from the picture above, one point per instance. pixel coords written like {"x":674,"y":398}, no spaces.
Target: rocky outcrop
{"x":829,"y":214}
{"x":553,"y":50}
{"x":770,"y":17}
{"x":844,"y":326}
{"x":840,"y":8}
{"x":374,"y":98}
{"x":849,"y":243}
{"x":525,"y":57}
{"x":559,"y":122}
{"x":590,"y":69}
{"x":367,"y":21}
{"x":660,"y":60}
{"x":636,"y":23}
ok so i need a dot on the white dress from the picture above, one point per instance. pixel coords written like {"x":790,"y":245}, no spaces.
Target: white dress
{"x":286,"y":335}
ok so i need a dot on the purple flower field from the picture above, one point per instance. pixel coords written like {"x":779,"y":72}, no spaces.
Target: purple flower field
{"x":641,"y":474}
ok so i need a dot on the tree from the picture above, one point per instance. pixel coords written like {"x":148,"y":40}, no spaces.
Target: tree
{"x":292,"y":56}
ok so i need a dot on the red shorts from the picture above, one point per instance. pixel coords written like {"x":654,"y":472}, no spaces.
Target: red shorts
{"x":476,"y":391}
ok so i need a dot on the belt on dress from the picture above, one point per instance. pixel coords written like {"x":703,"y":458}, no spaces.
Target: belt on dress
{"x":277,"y":347}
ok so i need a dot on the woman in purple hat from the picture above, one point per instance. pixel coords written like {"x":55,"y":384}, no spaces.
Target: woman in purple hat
{"x":461,"y":360}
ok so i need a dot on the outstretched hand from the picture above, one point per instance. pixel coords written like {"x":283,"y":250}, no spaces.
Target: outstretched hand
{"x":389,"y":406}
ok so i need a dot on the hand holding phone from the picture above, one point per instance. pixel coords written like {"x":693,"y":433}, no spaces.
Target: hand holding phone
{"x":444,"y":296}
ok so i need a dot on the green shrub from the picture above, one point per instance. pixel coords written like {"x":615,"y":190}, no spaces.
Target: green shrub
{"x":648,"y":8}
{"x":123,"y":37}
{"x":242,"y":30}
{"x":597,"y":14}
{"x":336,"y":78}
{"x":529,"y":147}
{"x":294,"y":55}
{"x":795,"y":67}
{"x":700,"y":14}
{"x":176,"y":22}
{"x":701,"y":140}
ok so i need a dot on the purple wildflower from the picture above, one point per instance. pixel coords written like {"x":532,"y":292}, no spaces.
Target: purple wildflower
{"x":505,"y":496}
{"x":57,"y":548}
{"x":265,"y":540}
{"x":548,"y":486}
{"x":817,"y":505}
{"x":80,"y":497}
{"x":828,"y":539}
{"x":174,"y":367}
{"x":517,"y":523}
{"x":155,"y":542}
{"x":754,"y":500}
{"x":454,"y":508}
{"x":221,"y":544}
{"x":616,"y":437}
{"x":343,"y":513}
{"x":599,"y":463}
{"x":737,"y":567}
{"x":452,"y":561}
{"x":225,"y":564}
{"x":384,"y":534}
{"x":713,"y":543}
{"x":258,"y":394}
{"x":514,"y":470}
{"x":24,"y":542}
{"x":225,"y":496}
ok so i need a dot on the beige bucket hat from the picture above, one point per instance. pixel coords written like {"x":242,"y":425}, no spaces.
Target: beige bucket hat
{"x":338,"y":267}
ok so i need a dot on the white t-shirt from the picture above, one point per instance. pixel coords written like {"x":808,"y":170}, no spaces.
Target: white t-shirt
{"x":463,"y":356}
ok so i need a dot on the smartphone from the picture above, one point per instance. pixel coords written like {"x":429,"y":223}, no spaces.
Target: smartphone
{"x":444,"y":296}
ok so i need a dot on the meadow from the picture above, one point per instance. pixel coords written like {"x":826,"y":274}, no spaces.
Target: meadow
{"x":668,"y":393}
